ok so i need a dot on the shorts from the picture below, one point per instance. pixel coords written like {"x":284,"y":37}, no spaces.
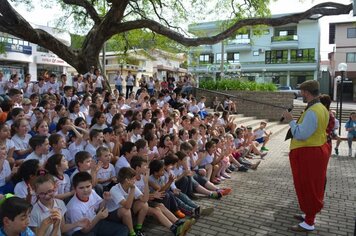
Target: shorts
{"x":260,"y":140}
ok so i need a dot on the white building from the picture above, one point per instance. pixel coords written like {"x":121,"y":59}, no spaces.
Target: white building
{"x":24,"y":57}
{"x":147,"y":63}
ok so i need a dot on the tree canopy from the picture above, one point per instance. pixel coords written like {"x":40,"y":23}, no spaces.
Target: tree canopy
{"x":106,"y":19}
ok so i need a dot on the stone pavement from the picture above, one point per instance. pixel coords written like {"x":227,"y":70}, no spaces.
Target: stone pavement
{"x":263,"y":202}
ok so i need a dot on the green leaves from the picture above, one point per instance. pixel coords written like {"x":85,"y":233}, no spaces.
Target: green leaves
{"x":235,"y":84}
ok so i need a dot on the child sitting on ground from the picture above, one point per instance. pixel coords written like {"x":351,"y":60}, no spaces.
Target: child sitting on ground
{"x":87,"y":204}
{"x":106,"y":174}
{"x":261,"y":135}
{"x":158,"y":210}
{"x":126,"y":199}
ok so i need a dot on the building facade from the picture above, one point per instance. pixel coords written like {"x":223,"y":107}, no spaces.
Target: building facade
{"x":286,"y":55}
{"x":24,"y":57}
{"x":144,"y":63}
{"x":343,"y":35}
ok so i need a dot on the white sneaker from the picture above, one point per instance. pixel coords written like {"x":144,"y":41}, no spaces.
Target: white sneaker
{"x":350,"y":152}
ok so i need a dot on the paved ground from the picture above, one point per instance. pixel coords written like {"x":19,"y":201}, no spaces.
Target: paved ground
{"x":264,"y":201}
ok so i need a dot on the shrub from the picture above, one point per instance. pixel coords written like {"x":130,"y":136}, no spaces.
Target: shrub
{"x":229,"y":84}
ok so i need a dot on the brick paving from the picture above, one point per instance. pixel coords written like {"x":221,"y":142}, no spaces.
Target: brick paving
{"x":263,"y":202}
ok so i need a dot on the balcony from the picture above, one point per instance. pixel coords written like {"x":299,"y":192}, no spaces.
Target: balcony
{"x":202,"y":48}
{"x":284,"y":42}
{"x":238,"y":45}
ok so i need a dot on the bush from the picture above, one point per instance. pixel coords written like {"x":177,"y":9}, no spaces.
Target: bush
{"x":228,"y":84}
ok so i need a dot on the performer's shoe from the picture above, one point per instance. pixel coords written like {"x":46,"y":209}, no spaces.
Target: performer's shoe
{"x":298,"y":217}
{"x":298,"y":228}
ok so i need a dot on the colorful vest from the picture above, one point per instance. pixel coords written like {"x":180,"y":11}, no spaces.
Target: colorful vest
{"x":318,"y":138}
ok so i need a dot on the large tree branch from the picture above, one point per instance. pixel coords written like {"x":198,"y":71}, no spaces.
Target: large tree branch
{"x":88,"y":7}
{"x":13,"y":23}
{"x":323,"y":9}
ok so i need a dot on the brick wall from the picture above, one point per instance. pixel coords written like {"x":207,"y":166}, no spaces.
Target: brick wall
{"x":263,"y":105}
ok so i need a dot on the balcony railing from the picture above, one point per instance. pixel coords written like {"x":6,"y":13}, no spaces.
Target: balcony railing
{"x":284,"y":38}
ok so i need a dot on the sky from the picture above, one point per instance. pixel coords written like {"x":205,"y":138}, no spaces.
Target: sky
{"x":44,"y":16}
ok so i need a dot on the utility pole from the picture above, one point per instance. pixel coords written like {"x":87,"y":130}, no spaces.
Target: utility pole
{"x":222,"y":60}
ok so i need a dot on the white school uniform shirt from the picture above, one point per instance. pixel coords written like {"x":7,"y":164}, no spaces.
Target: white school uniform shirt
{"x":84,"y":110}
{"x":166,"y":175}
{"x":117,"y":195}
{"x":3,"y":82}
{"x":21,"y":192}
{"x":194,"y":109}
{"x":74,"y":148}
{"x":91,"y":149}
{"x":121,"y":162}
{"x":29,"y":90}
{"x":178,"y":171}
{"x":6,"y":172}
{"x":40,"y":212}
{"x":77,"y":209}
{"x":135,"y":137}
{"x":63,"y":185}
{"x":140,"y":184}
{"x":80,"y":86}
{"x":99,"y":81}
{"x":105,"y":173}
{"x":65,"y":152}
{"x":33,"y":156}
{"x":194,"y":158}
{"x":259,"y":133}
{"x":201,"y":106}
{"x":118,"y":80}
{"x":21,"y":143}
{"x":207,"y":160}
{"x":130,"y":81}
{"x":52,"y":88}
{"x":74,"y":116}
{"x":65,"y":136}
{"x":9,"y":144}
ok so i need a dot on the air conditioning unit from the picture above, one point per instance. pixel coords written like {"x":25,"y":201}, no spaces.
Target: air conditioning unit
{"x":261,"y":50}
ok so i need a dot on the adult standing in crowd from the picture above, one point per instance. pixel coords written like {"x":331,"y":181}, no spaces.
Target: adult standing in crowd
{"x":130,"y":80}
{"x":309,"y":155}
{"x":118,"y":82}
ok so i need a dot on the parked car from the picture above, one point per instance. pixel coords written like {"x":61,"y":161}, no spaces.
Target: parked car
{"x":289,"y":89}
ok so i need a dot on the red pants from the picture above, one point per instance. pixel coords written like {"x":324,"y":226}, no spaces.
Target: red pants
{"x":309,"y":165}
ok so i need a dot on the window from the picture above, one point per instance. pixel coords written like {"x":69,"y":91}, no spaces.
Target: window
{"x":242,"y":38}
{"x":351,"y":57}
{"x":206,"y":58}
{"x":276,"y":57}
{"x":218,"y":57}
{"x":233,"y":57}
{"x":351,"y":32}
{"x":302,"y":55}
{"x":256,"y":53}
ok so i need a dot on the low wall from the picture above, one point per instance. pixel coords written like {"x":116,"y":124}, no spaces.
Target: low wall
{"x":263,"y":105}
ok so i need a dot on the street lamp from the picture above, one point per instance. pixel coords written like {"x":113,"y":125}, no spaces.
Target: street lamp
{"x":342,"y":67}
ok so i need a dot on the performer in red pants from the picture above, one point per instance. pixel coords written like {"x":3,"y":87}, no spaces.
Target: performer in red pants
{"x":309,"y":155}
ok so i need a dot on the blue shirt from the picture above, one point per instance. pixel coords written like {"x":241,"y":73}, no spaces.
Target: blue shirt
{"x":305,"y":129}
{"x":351,"y":124}
{"x":27,"y":232}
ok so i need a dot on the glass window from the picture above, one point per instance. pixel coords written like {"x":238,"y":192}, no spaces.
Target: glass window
{"x":351,"y":57}
{"x":15,"y":41}
{"x":276,"y":57}
{"x":206,"y":58}
{"x":256,"y":53}
{"x":351,"y":32}
{"x":233,"y":57}
{"x":9,"y":40}
{"x":302,"y":55}
{"x":218,"y":57}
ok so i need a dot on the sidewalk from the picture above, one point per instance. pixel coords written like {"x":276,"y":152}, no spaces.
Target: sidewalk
{"x":263,"y":202}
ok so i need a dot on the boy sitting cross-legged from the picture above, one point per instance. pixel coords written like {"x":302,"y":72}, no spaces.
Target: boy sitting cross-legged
{"x":87,"y":204}
{"x":127,"y":198}
{"x":158,"y":210}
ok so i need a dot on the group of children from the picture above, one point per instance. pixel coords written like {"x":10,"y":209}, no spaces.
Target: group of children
{"x":100,"y":164}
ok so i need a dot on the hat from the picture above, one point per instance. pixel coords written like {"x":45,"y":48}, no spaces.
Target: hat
{"x":310,"y":85}
{"x":26,"y":101}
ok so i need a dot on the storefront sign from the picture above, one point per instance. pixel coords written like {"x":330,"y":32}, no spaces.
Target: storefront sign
{"x":18,"y":48}
{"x":50,"y":59}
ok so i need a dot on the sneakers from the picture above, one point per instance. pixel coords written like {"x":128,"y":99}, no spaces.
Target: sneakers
{"x":336,"y":151}
{"x":139,"y":232}
{"x":225,"y":191}
{"x":232,"y":168}
{"x":350,"y":152}
{"x":193,"y":196}
{"x":181,"y":229}
{"x":226,"y":176}
{"x":215,"y":195}
{"x":264,"y":149}
{"x":179,"y":214}
{"x":243,"y":169}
